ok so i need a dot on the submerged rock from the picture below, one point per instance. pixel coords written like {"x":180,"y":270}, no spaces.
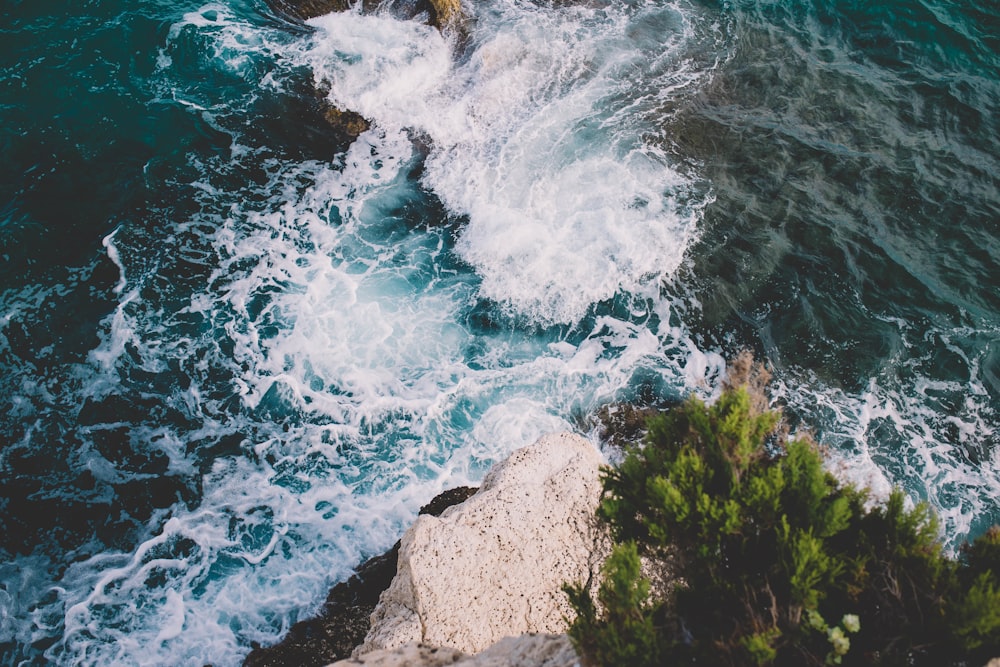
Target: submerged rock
{"x":495,"y":565}
{"x":308,"y":9}
{"x":623,"y":423}
{"x":442,"y":14}
{"x":346,"y":124}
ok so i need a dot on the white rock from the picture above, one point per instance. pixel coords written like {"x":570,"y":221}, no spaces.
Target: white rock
{"x":522,"y":651}
{"x":494,"y":565}
{"x":408,"y":655}
{"x":527,"y":651}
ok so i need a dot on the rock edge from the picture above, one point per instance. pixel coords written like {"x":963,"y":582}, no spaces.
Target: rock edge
{"x":495,"y":565}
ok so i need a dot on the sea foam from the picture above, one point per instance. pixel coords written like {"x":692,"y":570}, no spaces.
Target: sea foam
{"x":326,"y":344}
{"x":342,"y":345}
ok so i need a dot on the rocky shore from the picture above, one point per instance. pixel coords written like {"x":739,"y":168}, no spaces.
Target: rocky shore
{"x":477,"y":580}
{"x":344,"y":620}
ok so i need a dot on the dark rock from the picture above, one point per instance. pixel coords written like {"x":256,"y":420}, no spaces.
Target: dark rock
{"x":307,"y":9}
{"x":445,"y":13}
{"x":303,"y":122}
{"x":345,"y":618}
{"x":438,"y":13}
{"x":623,"y":423}
{"x":446,"y":499}
{"x":346,"y":124}
{"x":115,"y":445}
{"x":341,"y":625}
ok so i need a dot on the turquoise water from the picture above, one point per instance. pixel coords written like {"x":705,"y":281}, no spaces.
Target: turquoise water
{"x":239,"y":353}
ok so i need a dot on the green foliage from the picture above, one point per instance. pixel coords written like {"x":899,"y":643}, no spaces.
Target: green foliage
{"x":764,"y":544}
{"x":760,"y":647}
{"x":626,"y":634}
{"x":975,"y":615}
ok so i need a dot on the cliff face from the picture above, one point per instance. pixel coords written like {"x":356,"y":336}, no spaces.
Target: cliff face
{"x":494,"y":565}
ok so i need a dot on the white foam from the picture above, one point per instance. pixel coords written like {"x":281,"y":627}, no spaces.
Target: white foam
{"x":894,"y":434}
{"x":374,"y":357}
{"x":353,"y":367}
{"x":564,"y":209}
{"x":350,"y":364}
{"x":513,"y":424}
{"x":115,"y":258}
{"x":120,"y":333}
{"x":550,"y":263}
{"x":231,"y":40}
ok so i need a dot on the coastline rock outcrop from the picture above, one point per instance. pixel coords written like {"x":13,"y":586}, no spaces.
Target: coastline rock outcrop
{"x":539,"y":650}
{"x":345,"y":618}
{"x":446,"y":13}
{"x":494,"y":566}
{"x":348,"y":124}
{"x":441,"y":14}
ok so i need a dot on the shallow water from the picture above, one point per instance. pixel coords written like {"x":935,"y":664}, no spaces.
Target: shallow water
{"x":238,"y":355}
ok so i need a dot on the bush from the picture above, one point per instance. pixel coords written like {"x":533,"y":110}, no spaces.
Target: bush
{"x":775,"y":562}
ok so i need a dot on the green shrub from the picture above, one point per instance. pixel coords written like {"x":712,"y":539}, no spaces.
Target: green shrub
{"x":627,"y":636}
{"x":763,"y":545}
{"x":974,"y":614}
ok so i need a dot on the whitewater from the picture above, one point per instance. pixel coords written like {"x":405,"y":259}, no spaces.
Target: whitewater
{"x":236,"y":387}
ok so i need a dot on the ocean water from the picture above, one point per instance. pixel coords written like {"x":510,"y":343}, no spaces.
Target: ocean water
{"x":238,"y":353}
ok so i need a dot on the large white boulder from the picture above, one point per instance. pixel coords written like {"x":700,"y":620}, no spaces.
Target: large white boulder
{"x":520,"y":651}
{"x":494,"y":565}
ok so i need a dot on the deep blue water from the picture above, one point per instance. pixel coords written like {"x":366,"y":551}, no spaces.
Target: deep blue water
{"x":238,"y":353}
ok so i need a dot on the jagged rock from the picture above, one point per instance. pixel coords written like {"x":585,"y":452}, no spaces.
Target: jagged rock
{"x":409,"y":655}
{"x":623,"y":423}
{"x":540,"y":650}
{"x":307,"y":9}
{"x":343,"y":621}
{"x":347,"y":124}
{"x":445,"y":13}
{"x":494,"y":566}
{"x":441,"y":14}
{"x":346,"y":616}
